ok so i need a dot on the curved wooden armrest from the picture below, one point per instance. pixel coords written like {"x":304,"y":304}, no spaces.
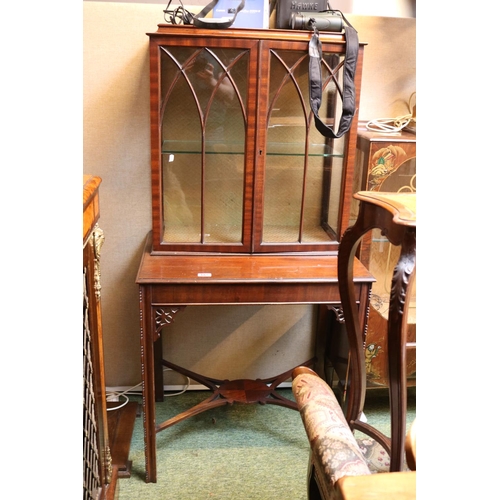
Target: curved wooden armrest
{"x":400,"y":485}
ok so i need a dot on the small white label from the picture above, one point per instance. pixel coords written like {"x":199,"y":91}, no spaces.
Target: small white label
{"x":204,"y":275}
{"x":170,"y":158}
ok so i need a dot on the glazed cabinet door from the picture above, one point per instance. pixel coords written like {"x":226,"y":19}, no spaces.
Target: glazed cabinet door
{"x":203,"y":139}
{"x":301,"y":175}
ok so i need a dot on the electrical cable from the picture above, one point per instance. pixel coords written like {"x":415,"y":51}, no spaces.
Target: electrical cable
{"x":393,"y":125}
{"x":177,"y":16}
{"x":118,"y":394}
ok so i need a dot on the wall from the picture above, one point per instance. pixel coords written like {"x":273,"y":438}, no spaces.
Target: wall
{"x":387,"y":8}
{"x":116,"y":148}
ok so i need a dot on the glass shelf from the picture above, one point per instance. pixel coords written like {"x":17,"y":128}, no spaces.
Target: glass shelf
{"x":228,"y":148}
{"x":211,"y":147}
{"x":298,"y":149}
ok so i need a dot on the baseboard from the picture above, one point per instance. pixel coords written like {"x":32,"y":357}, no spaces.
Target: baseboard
{"x":172,"y":388}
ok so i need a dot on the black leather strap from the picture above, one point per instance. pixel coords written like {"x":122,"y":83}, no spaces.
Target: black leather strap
{"x":201,"y":21}
{"x":348,"y":95}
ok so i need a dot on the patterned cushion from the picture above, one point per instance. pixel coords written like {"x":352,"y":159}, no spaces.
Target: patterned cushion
{"x":376,"y":457}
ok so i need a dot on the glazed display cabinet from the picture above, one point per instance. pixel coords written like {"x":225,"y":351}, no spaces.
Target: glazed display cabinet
{"x":248,"y":200}
{"x":237,"y":163}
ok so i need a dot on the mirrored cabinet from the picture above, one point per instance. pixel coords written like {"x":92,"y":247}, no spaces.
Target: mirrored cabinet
{"x":237,"y":163}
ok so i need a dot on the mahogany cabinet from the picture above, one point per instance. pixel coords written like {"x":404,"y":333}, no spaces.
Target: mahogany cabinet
{"x":249,"y":200}
{"x":237,"y":163}
{"x":99,"y":481}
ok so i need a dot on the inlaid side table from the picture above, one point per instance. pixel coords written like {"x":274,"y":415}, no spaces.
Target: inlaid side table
{"x":396,"y":215}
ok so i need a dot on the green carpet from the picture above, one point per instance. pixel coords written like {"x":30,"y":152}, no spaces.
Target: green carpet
{"x":238,"y":452}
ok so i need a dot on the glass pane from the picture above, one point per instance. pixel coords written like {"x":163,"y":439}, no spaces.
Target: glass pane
{"x":383,"y":258}
{"x":283,"y":183}
{"x":204,"y":100}
{"x":303,"y":173}
{"x":223,"y":198}
{"x":181,"y":198}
